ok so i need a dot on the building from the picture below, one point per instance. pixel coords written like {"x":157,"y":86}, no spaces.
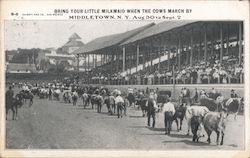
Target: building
{"x":52,"y":56}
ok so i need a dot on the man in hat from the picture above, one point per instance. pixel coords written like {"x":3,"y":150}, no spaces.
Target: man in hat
{"x":9,"y":96}
{"x":119,"y":101}
{"x":233,"y":94}
{"x":151,"y":107}
{"x":169,"y":111}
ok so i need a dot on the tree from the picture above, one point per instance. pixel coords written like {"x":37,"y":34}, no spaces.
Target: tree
{"x":25,"y":55}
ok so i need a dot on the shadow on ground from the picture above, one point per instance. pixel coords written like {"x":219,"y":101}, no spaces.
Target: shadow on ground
{"x":189,"y":142}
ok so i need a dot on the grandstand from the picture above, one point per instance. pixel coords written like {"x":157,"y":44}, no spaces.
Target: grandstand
{"x":196,"y":51}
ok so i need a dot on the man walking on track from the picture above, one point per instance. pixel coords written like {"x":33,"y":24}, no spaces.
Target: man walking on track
{"x":151,"y":106}
{"x":119,"y":103}
{"x":9,"y":96}
{"x":169,"y":111}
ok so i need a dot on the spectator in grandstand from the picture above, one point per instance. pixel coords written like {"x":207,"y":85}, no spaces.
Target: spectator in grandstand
{"x":196,"y":95}
{"x":194,"y":76}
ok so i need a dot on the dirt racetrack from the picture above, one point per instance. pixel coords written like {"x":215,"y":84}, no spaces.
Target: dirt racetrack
{"x":58,"y":125}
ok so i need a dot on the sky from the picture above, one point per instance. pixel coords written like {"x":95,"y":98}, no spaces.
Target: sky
{"x":46,"y":34}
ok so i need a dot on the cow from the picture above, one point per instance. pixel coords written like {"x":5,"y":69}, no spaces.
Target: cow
{"x":211,"y":104}
{"x":179,"y":114}
{"x":110,"y":103}
{"x":27,"y":95}
{"x":142,"y":103}
{"x":74,"y":98}
{"x":56,"y":94}
{"x":233,"y":105}
{"x":131,"y":99}
{"x":85,"y":98}
{"x":67,"y":97}
{"x":93,"y":100}
{"x":194,"y":110}
{"x":214,"y":96}
{"x":214,"y":121}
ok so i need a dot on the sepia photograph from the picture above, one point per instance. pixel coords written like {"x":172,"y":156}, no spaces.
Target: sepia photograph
{"x":146,"y":85}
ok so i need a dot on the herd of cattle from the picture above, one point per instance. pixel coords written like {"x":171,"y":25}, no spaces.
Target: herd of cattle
{"x":209,"y":111}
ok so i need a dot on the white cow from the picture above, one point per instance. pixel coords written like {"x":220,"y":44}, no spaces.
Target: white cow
{"x":194,"y":111}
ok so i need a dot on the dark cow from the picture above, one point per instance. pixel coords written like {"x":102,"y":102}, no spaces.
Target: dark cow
{"x":211,"y":104}
{"x":162,"y":96}
{"x":180,"y":111}
{"x":142,"y":103}
{"x":213,"y":96}
{"x":233,"y":105}
{"x":131,"y":99}
{"x":35,"y":91}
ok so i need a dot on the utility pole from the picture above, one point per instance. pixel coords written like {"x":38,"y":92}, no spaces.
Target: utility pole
{"x":173,"y":72}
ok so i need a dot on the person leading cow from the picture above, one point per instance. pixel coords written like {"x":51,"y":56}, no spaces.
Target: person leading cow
{"x":169,"y":111}
{"x":119,"y":103}
{"x":151,"y":108}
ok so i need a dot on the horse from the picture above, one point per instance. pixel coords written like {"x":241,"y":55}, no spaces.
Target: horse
{"x":14,"y":104}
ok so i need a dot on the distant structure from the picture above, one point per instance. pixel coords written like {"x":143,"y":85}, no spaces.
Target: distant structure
{"x":20,"y":68}
{"x":62,"y":54}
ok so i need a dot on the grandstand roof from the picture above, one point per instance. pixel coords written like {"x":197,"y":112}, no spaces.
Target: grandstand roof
{"x":110,"y":40}
{"x":157,"y":29}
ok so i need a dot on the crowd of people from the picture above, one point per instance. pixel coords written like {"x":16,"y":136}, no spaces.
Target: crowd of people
{"x":146,"y":99}
{"x":211,"y":71}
